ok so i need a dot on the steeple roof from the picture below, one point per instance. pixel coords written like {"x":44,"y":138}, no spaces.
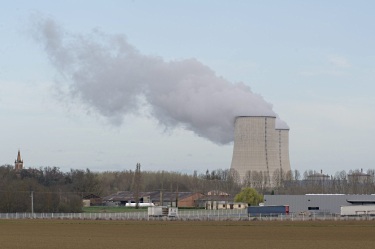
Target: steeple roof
{"x":19,"y":156}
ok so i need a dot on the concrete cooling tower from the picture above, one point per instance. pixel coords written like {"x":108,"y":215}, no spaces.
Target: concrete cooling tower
{"x":283,"y":144}
{"x":258,"y":146}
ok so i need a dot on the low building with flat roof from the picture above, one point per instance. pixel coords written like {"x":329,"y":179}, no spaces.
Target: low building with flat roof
{"x":318,"y":203}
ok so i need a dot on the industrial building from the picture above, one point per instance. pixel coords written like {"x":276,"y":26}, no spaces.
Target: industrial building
{"x":259,"y":146}
{"x":180,"y":199}
{"x":318,"y":203}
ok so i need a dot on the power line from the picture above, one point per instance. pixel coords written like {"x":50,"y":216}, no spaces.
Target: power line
{"x":45,"y":192}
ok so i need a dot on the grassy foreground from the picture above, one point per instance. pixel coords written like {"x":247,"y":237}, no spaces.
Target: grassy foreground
{"x":189,"y":234}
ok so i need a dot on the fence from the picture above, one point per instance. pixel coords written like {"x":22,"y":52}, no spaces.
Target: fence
{"x":199,"y":215}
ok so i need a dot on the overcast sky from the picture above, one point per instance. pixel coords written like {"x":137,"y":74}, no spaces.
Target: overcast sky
{"x":88,"y":84}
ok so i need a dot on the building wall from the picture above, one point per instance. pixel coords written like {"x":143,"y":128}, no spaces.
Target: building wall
{"x":361,"y":178}
{"x":326,"y":203}
{"x":218,"y":205}
{"x":18,"y":166}
{"x":86,"y":203}
{"x":189,"y":201}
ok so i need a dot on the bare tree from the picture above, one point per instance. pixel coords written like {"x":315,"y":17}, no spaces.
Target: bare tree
{"x":247,"y":182}
{"x":297,"y":175}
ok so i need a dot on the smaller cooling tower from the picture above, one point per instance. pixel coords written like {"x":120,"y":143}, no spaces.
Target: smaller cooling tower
{"x":283,"y":154}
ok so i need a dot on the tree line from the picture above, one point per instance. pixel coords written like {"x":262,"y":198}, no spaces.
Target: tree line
{"x":56,"y":191}
{"x":312,"y":182}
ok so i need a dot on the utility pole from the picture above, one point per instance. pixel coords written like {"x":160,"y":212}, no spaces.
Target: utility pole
{"x":32,"y":203}
{"x":137,"y":183}
{"x":161,"y":197}
{"x":161,"y":201}
{"x":171,"y":200}
{"x":177,"y":194}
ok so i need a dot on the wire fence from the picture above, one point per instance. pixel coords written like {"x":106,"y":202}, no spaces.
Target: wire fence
{"x":186,"y":215}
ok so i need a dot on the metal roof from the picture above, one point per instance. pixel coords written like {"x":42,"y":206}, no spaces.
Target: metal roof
{"x":154,"y":196}
{"x":361,"y":201}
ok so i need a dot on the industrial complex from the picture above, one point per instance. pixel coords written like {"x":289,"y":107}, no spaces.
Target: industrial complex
{"x":259,"y":146}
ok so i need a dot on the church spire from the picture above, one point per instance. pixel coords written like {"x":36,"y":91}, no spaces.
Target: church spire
{"x":19,"y":156}
{"x":18,"y":164}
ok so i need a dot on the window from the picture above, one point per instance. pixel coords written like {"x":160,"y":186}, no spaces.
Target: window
{"x":313,"y":208}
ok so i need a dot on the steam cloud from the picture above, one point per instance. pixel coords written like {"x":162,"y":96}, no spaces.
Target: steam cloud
{"x":114,"y":78}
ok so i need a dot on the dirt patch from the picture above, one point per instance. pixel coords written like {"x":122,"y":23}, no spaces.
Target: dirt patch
{"x":190,"y":234}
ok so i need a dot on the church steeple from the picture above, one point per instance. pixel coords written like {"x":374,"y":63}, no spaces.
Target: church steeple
{"x":18,"y":164}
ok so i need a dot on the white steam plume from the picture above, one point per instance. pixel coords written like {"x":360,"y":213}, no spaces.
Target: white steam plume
{"x":111,"y":76}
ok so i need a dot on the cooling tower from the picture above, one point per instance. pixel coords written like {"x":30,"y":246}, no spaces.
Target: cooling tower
{"x":258,"y":146}
{"x":284,"y":149}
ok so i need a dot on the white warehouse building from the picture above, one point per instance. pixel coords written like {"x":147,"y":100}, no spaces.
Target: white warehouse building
{"x":318,"y":203}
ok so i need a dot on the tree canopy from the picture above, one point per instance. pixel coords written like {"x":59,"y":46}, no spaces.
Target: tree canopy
{"x":249,"y":195}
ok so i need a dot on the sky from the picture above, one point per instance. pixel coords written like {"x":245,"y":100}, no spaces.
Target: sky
{"x":88,"y":84}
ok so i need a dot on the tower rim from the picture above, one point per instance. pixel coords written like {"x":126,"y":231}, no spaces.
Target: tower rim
{"x":255,"y":116}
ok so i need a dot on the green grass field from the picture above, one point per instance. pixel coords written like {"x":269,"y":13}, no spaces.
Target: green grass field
{"x":190,"y":234}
